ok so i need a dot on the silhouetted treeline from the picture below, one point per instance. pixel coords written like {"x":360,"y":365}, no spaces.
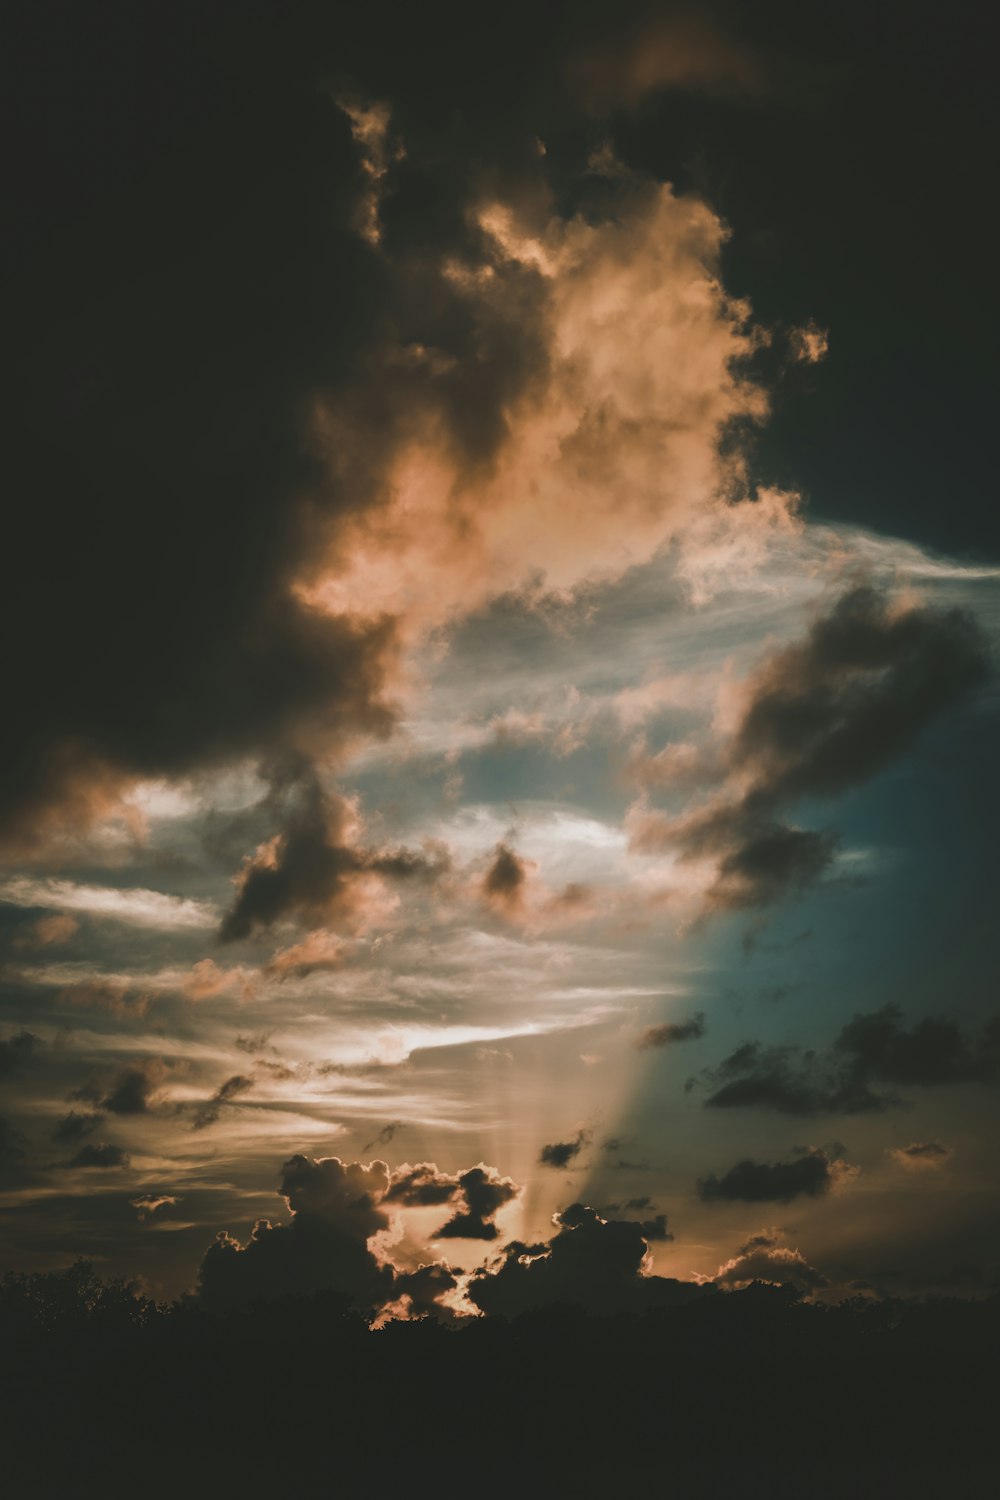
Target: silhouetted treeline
{"x":104,"y":1392}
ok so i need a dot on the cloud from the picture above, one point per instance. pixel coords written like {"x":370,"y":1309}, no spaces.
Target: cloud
{"x":17,"y":1052}
{"x":669,"y":1032}
{"x":485,"y":1192}
{"x":74,"y":1126}
{"x":560,"y":1153}
{"x":790,"y":1081}
{"x":106,"y":1157}
{"x":809,"y":1176}
{"x":118,"y":997}
{"x":254,"y":1043}
{"x":134,"y":908}
{"x":206,"y":980}
{"x":934,"y":1052}
{"x":422,"y":1186}
{"x":872,"y":1053}
{"x":810,"y":343}
{"x":683,"y":50}
{"x":180,"y":391}
{"x":209,"y":1112}
{"x":335,"y":1211}
{"x":384,"y":1136}
{"x":504,"y":882}
{"x":314,"y":870}
{"x":920,"y":1156}
{"x":51,"y":932}
{"x":147,"y":1204}
{"x":765,"y":1258}
{"x":425,"y":1288}
{"x":13,"y":1156}
{"x":812,"y":721}
{"x":317,"y":953}
{"x":590,"y":1262}
{"x":598,"y":362}
{"x":653,"y":1228}
{"x":132,"y":1089}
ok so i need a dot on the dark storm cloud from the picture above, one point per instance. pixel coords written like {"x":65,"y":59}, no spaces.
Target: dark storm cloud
{"x":313,"y":870}
{"x":672,"y":1031}
{"x":100,"y":1156}
{"x":193,"y":271}
{"x":485,"y":1193}
{"x":590,"y":1262}
{"x":74,"y":1126}
{"x":872,"y":1054}
{"x":561,"y":1153}
{"x":772,"y":1182}
{"x":209,"y":1112}
{"x":819,"y":717}
{"x":173,"y":372}
{"x":16,"y":1053}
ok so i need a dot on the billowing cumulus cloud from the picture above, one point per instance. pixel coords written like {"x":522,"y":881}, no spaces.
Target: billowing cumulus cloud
{"x":408,"y":417}
{"x":422,"y":1186}
{"x":334,"y":1207}
{"x":484,"y":1192}
{"x":765,"y":1258}
{"x":809,"y":1176}
{"x":815,"y":719}
{"x":621,"y":359}
{"x":590,"y":1262}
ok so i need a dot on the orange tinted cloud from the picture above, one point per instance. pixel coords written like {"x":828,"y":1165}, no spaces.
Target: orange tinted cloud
{"x":50,"y":932}
{"x":680,"y":51}
{"x":609,"y":450}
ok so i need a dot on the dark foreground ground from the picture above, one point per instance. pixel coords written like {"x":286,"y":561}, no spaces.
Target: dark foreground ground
{"x":746,"y":1394}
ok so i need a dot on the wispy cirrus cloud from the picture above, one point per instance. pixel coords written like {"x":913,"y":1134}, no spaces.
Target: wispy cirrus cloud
{"x":134,"y":908}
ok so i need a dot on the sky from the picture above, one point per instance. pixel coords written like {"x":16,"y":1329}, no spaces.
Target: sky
{"x":499,"y":773}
